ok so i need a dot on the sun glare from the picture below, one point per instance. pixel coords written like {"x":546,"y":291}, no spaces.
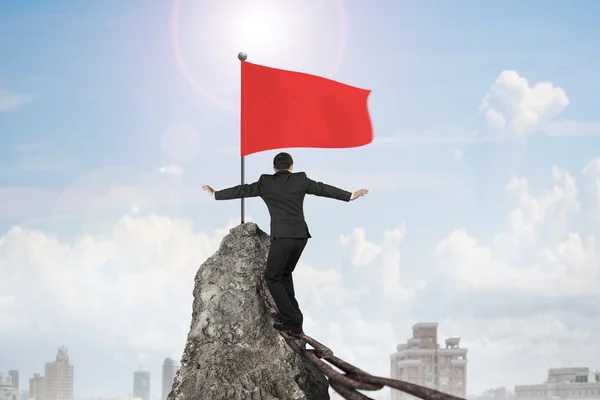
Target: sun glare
{"x":304,"y":35}
{"x":261,"y":30}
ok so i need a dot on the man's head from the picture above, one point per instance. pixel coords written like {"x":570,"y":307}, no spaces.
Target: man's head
{"x":282,"y":162}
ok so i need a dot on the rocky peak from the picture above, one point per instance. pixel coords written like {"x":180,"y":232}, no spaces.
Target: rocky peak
{"x":232,"y":351}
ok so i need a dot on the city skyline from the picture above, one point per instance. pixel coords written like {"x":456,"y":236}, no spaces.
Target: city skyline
{"x":483,"y":212}
{"x":57,"y":382}
{"x":422,"y":349}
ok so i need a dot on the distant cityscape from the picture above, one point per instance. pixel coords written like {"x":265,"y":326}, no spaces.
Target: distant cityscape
{"x":421,"y":360}
{"x":57,"y":382}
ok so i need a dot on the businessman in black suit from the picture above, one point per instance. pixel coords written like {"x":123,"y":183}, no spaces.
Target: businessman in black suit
{"x":284,"y":192}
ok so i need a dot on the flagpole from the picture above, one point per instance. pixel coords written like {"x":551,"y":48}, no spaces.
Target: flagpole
{"x":242,"y":57}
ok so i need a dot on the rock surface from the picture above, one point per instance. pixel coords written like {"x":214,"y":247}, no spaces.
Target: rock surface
{"x":232,"y":351}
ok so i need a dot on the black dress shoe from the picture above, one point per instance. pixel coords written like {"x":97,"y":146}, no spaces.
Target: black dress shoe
{"x":295,"y":330}
{"x":290,"y":329}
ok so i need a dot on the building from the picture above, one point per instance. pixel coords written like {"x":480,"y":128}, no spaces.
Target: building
{"x":563,"y":383}
{"x":59,"y":377}
{"x":499,"y":393}
{"x":6,"y":380}
{"x":8,"y":391}
{"x":117,"y":398}
{"x":169,"y":369}
{"x":37,"y":387}
{"x":141,"y":384}
{"x":14,"y":374}
{"x":421,"y":361}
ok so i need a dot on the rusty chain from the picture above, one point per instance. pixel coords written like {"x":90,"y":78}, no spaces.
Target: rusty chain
{"x":353,"y":379}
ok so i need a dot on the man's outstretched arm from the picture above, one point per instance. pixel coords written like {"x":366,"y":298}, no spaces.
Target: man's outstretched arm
{"x":324,"y":190}
{"x":236,"y":192}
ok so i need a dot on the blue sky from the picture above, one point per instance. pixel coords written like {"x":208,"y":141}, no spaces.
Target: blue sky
{"x":93,"y":102}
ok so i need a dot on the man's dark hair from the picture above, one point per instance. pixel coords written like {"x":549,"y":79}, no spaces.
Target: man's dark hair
{"x":282,"y":161}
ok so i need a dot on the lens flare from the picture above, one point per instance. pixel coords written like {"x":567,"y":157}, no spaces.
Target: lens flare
{"x":253,"y":27}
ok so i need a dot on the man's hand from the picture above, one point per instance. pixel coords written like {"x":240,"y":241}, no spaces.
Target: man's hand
{"x":208,"y":189}
{"x":358,"y":193}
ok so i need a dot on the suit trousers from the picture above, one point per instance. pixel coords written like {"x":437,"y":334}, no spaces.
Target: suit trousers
{"x":284,"y":254}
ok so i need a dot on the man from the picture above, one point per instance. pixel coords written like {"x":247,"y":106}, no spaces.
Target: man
{"x":283,"y":193}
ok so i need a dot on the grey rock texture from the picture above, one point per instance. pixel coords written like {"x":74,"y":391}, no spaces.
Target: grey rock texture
{"x":232,"y":351}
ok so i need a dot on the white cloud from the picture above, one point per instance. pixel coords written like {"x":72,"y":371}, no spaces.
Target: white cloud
{"x":386,"y":256}
{"x":592,"y":172}
{"x":537,"y":253}
{"x":363,"y":252}
{"x":501,"y":348}
{"x":10,"y":101}
{"x":495,"y":120}
{"x":513,"y":106}
{"x":141,"y":268}
{"x":528,"y":295}
{"x":115,"y":275}
{"x":550,"y":209}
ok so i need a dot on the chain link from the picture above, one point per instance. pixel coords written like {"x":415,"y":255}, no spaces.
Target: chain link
{"x":353,"y":378}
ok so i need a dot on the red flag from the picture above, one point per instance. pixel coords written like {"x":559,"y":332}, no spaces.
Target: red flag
{"x":283,"y":109}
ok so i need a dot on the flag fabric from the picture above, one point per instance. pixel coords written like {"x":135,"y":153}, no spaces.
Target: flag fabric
{"x":285,"y":109}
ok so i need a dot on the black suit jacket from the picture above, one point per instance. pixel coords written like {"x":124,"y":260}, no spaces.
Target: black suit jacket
{"x":284,"y":193}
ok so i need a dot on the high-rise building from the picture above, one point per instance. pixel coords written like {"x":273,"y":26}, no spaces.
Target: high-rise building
{"x":421,"y":361}
{"x":7,"y":389}
{"x":563,"y":383}
{"x":59,"y":377}
{"x":14,"y":374}
{"x":141,"y":384}
{"x":37,"y":386}
{"x":169,"y":369}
